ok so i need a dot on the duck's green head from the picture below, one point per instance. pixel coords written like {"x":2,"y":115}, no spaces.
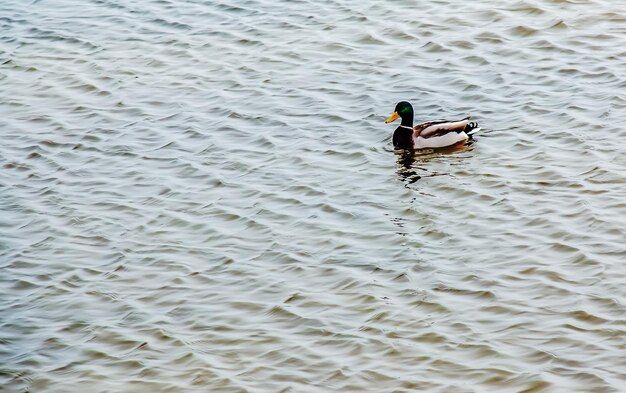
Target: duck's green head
{"x":403,"y":110}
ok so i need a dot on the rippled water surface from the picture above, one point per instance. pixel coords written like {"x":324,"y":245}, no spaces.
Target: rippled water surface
{"x":201,"y":195}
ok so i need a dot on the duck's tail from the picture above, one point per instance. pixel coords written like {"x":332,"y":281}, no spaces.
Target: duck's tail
{"x":471,"y":128}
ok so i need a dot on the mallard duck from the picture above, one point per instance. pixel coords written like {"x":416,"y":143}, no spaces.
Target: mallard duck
{"x":432,"y":134}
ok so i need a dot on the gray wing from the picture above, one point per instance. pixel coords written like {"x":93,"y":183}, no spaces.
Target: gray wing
{"x":427,"y":130}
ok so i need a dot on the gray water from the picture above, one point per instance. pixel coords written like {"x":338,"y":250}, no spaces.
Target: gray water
{"x":202,"y":196}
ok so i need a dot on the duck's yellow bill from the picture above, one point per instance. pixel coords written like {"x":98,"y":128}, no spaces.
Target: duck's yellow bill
{"x":393,"y":117}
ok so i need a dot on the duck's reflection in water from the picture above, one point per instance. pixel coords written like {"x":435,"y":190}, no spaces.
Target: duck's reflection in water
{"x":406,"y":168}
{"x":408,"y":162}
{"x":412,"y":165}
